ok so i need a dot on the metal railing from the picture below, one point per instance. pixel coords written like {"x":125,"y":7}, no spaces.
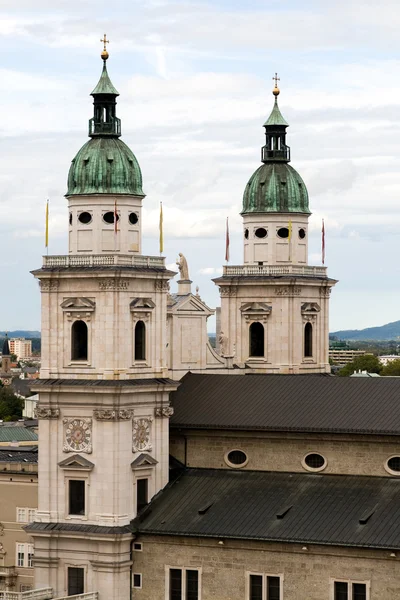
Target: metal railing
{"x":271,"y":270}
{"x":104,"y":260}
{"x":39,"y":594}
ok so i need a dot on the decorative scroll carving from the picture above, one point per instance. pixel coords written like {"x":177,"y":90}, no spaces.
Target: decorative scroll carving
{"x":325,"y":291}
{"x":1,"y":529}
{"x":46,"y":412}
{"x":77,"y":435}
{"x":111,"y":414}
{"x":227,"y":291}
{"x":49,"y":285}
{"x":113,"y":284}
{"x":161,"y":285}
{"x":288,"y":291}
{"x":164,"y":411}
{"x":141,"y":440}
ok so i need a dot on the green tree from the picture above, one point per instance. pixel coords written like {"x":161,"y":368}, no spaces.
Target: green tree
{"x":367,"y":362}
{"x":13,"y":357}
{"x":392,"y":368}
{"x":10,"y":405}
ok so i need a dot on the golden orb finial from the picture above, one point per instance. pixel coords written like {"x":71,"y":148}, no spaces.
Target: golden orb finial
{"x":276,"y":91}
{"x":104,"y":55}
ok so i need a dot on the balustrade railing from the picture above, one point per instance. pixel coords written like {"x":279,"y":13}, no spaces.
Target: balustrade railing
{"x":99,"y":260}
{"x":87,"y":596}
{"x":39,"y":594}
{"x":272,"y":270}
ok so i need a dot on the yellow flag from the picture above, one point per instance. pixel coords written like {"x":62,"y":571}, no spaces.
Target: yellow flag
{"x":161,"y":230}
{"x":46,"y":241}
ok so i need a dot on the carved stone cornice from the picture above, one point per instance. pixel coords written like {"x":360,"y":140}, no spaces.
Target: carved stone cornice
{"x":112,"y":414}
{"x":113,"y":284}
{"x":46,"y":412}
{"x":164,"y":411}
{"x":49,"y":285}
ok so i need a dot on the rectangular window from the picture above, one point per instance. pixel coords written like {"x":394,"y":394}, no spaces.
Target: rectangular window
{"x":141,"y":493}
{"x":137,"y":580}
{"x":21,"y":515}
{"x":75,"y":581}
{"x":183,"y":584}
{"x":137,"y":546}
{"x":265,"y":587}
{"x":20,"y":555}
{"x":76,"y":497}
{"x":346,"y":590}
{"x":30,"y":555}
{"x":31,"y":515}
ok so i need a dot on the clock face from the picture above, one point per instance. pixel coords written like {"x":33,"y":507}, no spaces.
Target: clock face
{"x":78,"y":435}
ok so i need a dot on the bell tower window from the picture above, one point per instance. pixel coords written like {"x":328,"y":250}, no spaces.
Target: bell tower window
{"x":256,"y":339}
{"x":308,"y":349}
{"x":140,"y":341}
{"x":79,"y":341}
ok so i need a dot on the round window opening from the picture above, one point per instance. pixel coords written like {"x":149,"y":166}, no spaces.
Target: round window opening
{"x":394,"y":464}
{"x":302,"y":234}
{"x":70,"y":218}
{"x":314,"y":461}
{"x":261,"y":232}
{"x":85,"y":218}
{"x":133,"y":218}
{"x":236,"y":458}
{"x":283,"y":232}
{"x":108,"y":217}
{"x":246,"y":234}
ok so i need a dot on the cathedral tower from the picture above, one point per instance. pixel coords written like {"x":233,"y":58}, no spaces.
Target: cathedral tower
{"x":274,"y":307}
{"x":104,"y":388}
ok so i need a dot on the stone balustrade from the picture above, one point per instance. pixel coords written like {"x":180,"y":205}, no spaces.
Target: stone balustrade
{"x":273,"y":270}
{"x":39,"y":594}
{"x":87,"y":596}
{"x":104,"y":260}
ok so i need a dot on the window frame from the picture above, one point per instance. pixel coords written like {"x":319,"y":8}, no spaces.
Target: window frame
{"x":74,"y":476}
{"x":137,"y":587}
{"x":28,"y":552}
{"x":350,"y":583}
{"x":264,"y":585}
{"x":23,"y":511}
{"x":311,"y":469}
{"x":184,"y":580}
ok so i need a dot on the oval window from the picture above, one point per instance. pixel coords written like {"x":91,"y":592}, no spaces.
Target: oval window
{"x":133,"y":218}
{"x":261,"y":232}
{"x":393,"y":464}
{"x":236,"y":458}
{"x":314,"y":462}
{"x":283,"y":232}
{"x":85,"y":218}
{"x":246,"y":234}
{"x":302,"y":234}
{"x":108,"y":217}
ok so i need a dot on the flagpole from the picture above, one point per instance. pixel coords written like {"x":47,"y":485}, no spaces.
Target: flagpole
{"x":323,"y":242}
{"x":161,"y":232}
{"x":46,"y":242}
{"x":227,"y":240}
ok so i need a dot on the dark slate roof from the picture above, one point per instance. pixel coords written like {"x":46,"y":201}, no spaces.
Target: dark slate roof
{"x":104,"y":530}
{"x":23,"y":454}
{"x":340,"y":510}
{"x":300,"y":403}
{"x":102,"y":382}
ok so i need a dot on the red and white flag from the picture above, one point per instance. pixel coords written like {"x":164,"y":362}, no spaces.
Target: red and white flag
{"x":323,"y":242}
{"x":227,"y":241}
{"x":115,"y":217}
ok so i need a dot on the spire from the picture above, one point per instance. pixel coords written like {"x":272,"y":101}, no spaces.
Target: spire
{"x":275,"y":149}
{"x":104,"y":123}
{"x":6,"y":347}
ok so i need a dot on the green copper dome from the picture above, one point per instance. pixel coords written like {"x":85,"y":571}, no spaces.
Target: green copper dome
{"x":275,"y":187}
{"x":105,"y":166}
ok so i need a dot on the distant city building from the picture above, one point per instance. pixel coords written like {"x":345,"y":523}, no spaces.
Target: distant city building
{"x":387,"y":358}
{"x":30,"y":406}
{"x":343,"y":357}
{"x":21,"y":347}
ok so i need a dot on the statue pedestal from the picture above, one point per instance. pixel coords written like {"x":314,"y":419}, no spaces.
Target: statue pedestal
{"x":184,"y":287}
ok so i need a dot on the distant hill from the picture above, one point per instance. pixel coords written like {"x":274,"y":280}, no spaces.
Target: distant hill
{"x":21,"y":333}
{"x":390,"y":331}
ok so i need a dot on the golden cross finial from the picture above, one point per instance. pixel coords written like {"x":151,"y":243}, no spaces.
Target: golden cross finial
{"x":276,"y":90}
{"x":104,"y":54}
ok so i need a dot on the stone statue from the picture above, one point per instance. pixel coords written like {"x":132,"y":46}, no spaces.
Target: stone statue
{"x":223,"y":343}
{"x":183,"y":267}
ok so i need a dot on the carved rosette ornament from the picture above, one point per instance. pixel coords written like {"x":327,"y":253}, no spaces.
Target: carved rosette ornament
{"x":49,"y":285}
{"x":164,"y":411}
{"x":141,"y":440}
{"x":77,"y":435}
{"x":113,"y":284}
{"x":46,"y":412}
{"x":111,"y":414}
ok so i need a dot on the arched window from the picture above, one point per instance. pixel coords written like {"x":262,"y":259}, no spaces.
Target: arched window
{"x":256,"y":344}
{"x":308,"y":340}
{"x":140,"y":341}
{"x":79,"y":341}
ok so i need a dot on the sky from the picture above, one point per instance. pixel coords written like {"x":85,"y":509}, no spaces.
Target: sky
{"x":195,"y":82}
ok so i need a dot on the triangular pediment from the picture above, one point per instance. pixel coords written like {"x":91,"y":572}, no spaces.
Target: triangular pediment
{"x":189,"y":303}
{"x":78,"y":304}
{"x":144,"y":303}
{"x":144,"y":460}
{"x":256,"y":307}
{"x":76,"y":462}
